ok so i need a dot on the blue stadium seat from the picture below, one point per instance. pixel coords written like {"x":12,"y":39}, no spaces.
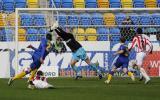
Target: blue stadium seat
{"x":97,"y":19}
{"x":156,"y":18}
{"x":135,"y":18}
{"x":8,"y":34}
{"x":145,"y":19}
{"x":158,"y":3}
{"x":67,"y":3}
{"x":115,"y":3}
{"x":73,"y":19}
{"x":91,"y":3}
{"x":0,"y":5}
{"x":62,"y":19}
{"x":138,"y":4}
{"x":26,"y":19}
{"x":102,"y":34}
{"x":42,"y":33}
{"x":85,"y":19}
{"x":115,"y":34}
{"x":20,"y":3}
{"x":8,"y":6}
{"x":39,"y":20}
{"x":57,"y":3}
{"x":120,"y":17}
{"x":2,"y":35}
{"x":32,"y":34}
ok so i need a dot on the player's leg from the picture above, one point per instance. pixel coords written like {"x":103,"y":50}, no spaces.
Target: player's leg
{"x":130,"y":74}
{"x":75,"y":68}
{"x":139,"y":59}
{"x":20,"y":75}
{"x":111,"y":73}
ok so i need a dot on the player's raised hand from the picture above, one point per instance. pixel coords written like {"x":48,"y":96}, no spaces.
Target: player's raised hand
{"x":42,"y":61}
{"x":30,"y":46}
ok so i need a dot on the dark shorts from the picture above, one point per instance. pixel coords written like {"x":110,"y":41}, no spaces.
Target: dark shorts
{"x":35,"y":64}
{"x":121,"y":62}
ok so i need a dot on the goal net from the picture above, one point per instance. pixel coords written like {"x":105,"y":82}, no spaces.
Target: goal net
{"x":98,"y":30}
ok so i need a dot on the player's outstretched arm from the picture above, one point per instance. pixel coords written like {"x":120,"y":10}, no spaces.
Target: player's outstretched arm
{"x":32,"y":47}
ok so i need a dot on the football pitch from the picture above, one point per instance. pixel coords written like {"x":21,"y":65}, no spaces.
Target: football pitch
{"x":83,"y":89}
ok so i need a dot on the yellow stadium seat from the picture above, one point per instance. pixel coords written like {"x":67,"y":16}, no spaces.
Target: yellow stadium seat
{"x":80,"y":34}
{"x":103,"y":3}
{"x":11,"y":19}
{"x":2,"y":19}
{"x":151,"y":3}
{"x":21,"y":34}
{"x":33,"y":3}
{"x":79,"y":3}
{"x":91,"y":34}
{"x":109,"y":19}
{"x":127,"y":3}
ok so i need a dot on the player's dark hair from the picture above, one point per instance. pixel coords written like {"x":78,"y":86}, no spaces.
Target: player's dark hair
{"x":122,"y":39}
{"x":139,"y":31}
{"x":49,"y":36}
{"x":40,"y":73}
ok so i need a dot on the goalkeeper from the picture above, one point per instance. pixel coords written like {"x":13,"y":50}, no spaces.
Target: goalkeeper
{"x":78,"y":53}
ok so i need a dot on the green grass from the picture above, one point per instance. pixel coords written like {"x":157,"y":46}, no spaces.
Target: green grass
{"x":84,"y":89}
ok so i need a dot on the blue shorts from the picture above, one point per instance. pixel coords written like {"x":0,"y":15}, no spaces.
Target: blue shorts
{"x":122,"y":62}
{"x":79,"y":54}
{"x":35,"y":64}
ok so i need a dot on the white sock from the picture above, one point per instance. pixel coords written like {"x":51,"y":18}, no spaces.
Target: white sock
{"x":144,"y":74}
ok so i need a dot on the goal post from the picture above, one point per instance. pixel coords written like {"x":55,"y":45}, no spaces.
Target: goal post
{"x":103,"y":43}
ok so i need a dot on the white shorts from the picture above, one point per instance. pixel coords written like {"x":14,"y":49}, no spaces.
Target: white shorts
{"x":140,"y":57}
{"x":41,"y":84}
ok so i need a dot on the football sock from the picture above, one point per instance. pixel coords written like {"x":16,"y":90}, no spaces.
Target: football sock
{"x":33,"y":72}
{"x":130,"y":74}
{"x":76,"y":69}
{"x":110,"y":76}
{"x":18,"y":76}
{"x":144,"y":74}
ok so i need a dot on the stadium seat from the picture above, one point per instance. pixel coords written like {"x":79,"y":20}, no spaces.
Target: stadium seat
{"x":156,"y":18}
{"x":8,"y":6}
{"x":127,"y":3}
{"x":115,"y":3}
{"x":21,"y":34}
{"x":158,"y":3}
{"x":91,"y":34}
{"x":91,"y":3}
{"x":1,"y":5}
{"x":56,"y":3}
{"x":20,"y":3}
{"x":80,"y":34}
{"x":120,"y":17}
{"x":115,"y":34}
{"x":26,"y":19}
{"x":153,"y":38}
{"x":73,"y":19}
{"x":79,"y":3}
{"x":109,"y":19}
{"x":32,"y":34}
{"x":138,"y":4}
{"x":39,"y":20}
{"x":2,"y":20}
{"x":85,"y":19}
{"x":97,"y":19}
{"x":11,"y":19}
{"x":62,"y":19}
{"x":42,"y":33}
{"x":151,"y":3}
{"x":135,"y":18}
{"x":8,"y":34}
{"x":145,"y":19}
{"x":103,"y":3}
{"x":67,"y":4}
{"x":33,"y":3}
{"x":102,"y":34}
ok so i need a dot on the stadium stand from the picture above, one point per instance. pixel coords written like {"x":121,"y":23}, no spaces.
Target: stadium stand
{"x":26,"y":19}
{"x":85,"y":19}
{"x":11,"y":19}
{"x":20,"y":4}
{"x":114,"y":34}
{"x":80,"y":34}
{"x":158,"y":3}
{"x":145,"y":19}
{"x":73,"y":19}
{"x":32,"y":34}
{"x":135,"y":18}
{"x":22,"y":34}
{"x":97,"y":19}
{"x":62,"y":19}
{"x":156,"y":18}
{"x":115,"y":3}
{"x":42,"y":33}
{"x":91,"y":34}
{"x":120,"y":18}
{"x":2,"y":20}
{"x":102,"y":34}
{"x":109,"y":19}
{"x":67,"y":4}
{"x":1,"y":5}
{"x":79,"y":3}
{"x":103,"y":3}
{"x":39,"y":20}
{"x":8,"y":34}
{"x":56,"y":2}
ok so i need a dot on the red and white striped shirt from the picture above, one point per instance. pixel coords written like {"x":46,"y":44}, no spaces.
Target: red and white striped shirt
{"x":141,"y":43}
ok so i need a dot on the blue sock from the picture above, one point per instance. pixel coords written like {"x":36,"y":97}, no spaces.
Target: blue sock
{"x":77,"y":70}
